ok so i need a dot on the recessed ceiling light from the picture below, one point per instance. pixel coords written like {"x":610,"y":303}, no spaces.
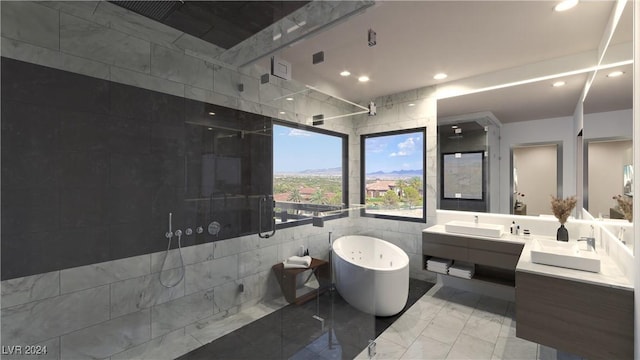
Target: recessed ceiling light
{"x":615,"y":74}
{"x":559,"y":83}
{"x":363,"y":78}
{"x":345,"y":73}
{"x":211,"y":113}
{"x":565,"y":5}
{"x":289,"y":99}
{"x":454,"y":126}
{"x":412,"y":104}
{"x":209,"y":129}
{"x":440,"y":76}
{"x":282,"y":112}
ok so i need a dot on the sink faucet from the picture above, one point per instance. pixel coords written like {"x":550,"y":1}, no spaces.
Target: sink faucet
{"x":475,"y":219}
{"x":591,"y":243}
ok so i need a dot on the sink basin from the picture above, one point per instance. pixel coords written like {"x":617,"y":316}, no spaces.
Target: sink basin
{"x":564,"y":254}
{"x":471,"y":228}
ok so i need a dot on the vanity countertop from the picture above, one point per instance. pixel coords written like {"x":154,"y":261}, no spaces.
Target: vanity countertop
{"x":610,"y":274}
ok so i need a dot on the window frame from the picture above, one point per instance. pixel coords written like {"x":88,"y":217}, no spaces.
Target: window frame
{"x":345,"y":172}
{"x":363,"y":180}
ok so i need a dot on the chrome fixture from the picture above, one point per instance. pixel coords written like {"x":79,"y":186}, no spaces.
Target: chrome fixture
{"x":169,"y":235}
{"x":263,"y":204}
{"x":591,"y":242}
{"x":475,"y":219}
{"x":213,"y":228}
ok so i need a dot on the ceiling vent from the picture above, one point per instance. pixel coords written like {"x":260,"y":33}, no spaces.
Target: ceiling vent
{"x":156,"y":10}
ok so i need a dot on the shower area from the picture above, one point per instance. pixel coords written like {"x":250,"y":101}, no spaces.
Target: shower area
{"x":131,"y":218}
{"x":138,"y":199}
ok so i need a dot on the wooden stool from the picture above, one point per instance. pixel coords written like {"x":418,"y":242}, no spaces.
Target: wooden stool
{"x":287,"y":280}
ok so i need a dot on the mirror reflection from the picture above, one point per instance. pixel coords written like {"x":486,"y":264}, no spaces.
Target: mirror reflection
{"x":608,"y":143}
{"x":530,"y":190}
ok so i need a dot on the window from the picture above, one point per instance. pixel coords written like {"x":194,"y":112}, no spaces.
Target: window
{"x":393,"y":175}
{"x":309,"y":173}
{"x":463,"y":175}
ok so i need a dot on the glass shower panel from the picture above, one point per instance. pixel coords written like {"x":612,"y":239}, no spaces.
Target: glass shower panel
{"x":228,"y":168}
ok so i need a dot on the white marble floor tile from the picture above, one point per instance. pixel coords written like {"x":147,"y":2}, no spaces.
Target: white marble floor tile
{"x":484,"y":326}
{"x":508,"y":328}
{"x":385,"y":349}
{"x":426,"y":308}
{"x":444,"y":327}
{"x":426,"y":348}
{"x":405,"y":330}
{"x":218,"y":327}
{"x":493,"y":305}
{"x":469,"y":347}
{"x":513,"y":348}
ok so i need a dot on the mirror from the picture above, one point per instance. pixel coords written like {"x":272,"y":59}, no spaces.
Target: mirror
{"x":546,"y":118}
{"x":530,"y":190}
{"x":608,"y":128}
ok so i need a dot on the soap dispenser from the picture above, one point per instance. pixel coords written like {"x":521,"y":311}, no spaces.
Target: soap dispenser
{"x":513,"y":227}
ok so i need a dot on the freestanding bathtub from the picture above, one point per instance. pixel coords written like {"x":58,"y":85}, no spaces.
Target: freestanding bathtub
{"x":371,"y":274}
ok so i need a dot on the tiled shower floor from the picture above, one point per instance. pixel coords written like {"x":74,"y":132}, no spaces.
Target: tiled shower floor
{"x":444,"y":323}
{"x":293,"y":333}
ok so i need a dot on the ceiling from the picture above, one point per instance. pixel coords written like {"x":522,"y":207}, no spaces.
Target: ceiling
{"x":222,"y":23}
{"x":481,"y":45}
{"x":474,"y":42}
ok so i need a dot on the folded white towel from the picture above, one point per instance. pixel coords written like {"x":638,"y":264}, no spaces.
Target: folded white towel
{"x":441,"y":271}
{"x":438,"y":261}
{"x":460,"y":274}
{"x":437,"y":267}
{"x":293,"y":266}
{"x":300,"y":260}
{"x":463,"y":266}
{"x":297,"y":262}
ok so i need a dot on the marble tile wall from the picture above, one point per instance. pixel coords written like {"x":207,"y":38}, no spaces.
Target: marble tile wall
{"x":394,"y":113}
{"x":119,"y":308}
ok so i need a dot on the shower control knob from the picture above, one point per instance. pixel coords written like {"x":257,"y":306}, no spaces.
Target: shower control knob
{"x":168,"y":235}
{"x":188,"y":231}
{"x":199,"y":230}
{"x":178,"y":232}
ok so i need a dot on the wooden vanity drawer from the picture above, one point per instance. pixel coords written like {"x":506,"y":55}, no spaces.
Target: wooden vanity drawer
{"x":495,"y":259}
{"x":445,"y":251}
{"x":445,"y":239}
{"x":497,"y":246}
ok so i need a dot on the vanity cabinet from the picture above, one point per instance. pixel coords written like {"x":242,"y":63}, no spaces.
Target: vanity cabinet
{"x":495,"y":260}
{"x":593,"y":321}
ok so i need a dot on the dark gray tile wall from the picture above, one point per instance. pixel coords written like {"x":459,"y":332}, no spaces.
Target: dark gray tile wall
{"x":91,"y":169}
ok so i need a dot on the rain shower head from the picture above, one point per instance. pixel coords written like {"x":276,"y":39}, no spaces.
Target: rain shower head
{"x":156,"y":10}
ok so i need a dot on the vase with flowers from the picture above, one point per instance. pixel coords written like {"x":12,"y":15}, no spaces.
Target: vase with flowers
{"x":625,"y":205}
{"x":562,"y":208}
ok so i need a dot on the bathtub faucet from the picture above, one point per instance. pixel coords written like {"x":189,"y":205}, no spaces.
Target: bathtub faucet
{"x":475,"y":219}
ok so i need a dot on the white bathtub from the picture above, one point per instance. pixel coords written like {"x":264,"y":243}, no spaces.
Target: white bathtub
{"x":371,"y":274}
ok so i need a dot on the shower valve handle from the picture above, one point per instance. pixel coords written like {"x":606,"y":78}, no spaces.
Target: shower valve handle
{"x":188,"y":231}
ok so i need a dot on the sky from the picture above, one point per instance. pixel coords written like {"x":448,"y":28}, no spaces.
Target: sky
{"x":394,"y":152}
{"x":297,"y":150}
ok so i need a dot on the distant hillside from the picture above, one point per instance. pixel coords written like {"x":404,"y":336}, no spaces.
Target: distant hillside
{"x":397,"y":173}
{"x":335,"y":170}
